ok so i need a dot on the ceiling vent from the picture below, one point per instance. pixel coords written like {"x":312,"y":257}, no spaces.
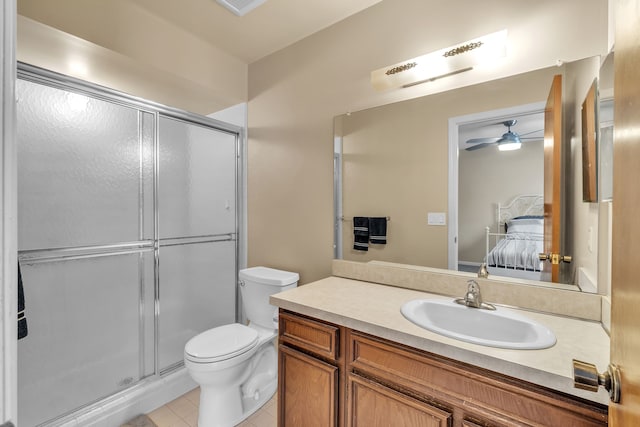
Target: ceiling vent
{"x":241,"y":7}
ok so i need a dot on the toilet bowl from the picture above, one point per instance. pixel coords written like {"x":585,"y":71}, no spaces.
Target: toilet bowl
{"x":235,"y":364}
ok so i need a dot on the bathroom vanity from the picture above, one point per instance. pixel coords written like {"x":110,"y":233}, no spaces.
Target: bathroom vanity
{"x":347,"y":357}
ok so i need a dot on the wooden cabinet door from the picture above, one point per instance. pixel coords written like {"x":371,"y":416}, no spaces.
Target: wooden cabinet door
{"x":625,"y":292}
{"x":373,"y":405}
{"x":308,"y":391}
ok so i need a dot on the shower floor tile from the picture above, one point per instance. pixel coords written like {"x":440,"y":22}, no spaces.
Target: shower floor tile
{"x":183,"y":412}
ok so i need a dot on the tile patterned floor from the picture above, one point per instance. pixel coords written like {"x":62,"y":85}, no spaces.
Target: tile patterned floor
{"x":183,"y":412}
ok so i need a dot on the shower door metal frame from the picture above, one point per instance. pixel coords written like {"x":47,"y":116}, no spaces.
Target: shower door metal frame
{"x":8,"y":229}
{"x":52,"y":79}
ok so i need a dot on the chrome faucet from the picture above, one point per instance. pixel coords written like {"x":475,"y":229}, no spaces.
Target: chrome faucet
{"x":473,"y":297}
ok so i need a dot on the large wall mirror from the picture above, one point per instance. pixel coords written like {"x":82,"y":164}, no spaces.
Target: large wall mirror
{"x":394,"y":162}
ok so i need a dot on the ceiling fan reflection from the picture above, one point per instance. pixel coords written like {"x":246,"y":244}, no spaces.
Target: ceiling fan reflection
{"x":508,"y":141}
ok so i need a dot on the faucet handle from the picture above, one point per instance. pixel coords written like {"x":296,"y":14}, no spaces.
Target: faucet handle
{"x":473,"y":297}
{"x":472,"y":285}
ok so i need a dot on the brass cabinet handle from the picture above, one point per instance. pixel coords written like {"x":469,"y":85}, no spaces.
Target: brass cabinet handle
{"x":586,"y":377}
{"x":555,"y":258}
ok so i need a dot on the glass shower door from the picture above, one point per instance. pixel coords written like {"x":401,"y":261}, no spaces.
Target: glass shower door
{"x":85,"y":231}
{"x":197,"y":229}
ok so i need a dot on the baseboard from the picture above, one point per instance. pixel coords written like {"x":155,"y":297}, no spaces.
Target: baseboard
{"x":141,"y":399}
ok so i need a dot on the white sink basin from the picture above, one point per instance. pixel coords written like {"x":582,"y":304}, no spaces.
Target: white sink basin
{"x":501,"y":328}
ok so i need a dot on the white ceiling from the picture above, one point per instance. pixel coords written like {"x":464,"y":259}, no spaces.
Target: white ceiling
{"x":270,"y":27}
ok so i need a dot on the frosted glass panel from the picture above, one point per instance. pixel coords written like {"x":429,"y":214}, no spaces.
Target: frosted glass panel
{"x":197,"y":180}
{"x":197,"y":292}
{"x":80,"y":174}
{"x":84,"y":334}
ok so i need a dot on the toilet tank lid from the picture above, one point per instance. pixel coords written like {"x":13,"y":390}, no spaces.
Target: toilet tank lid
{"x":269,"y":276}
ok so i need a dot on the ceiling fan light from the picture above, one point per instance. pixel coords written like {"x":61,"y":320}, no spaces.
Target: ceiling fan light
{"x":509,"y":145}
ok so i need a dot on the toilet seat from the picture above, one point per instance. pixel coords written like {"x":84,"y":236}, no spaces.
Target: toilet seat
{"x":221,"y":343}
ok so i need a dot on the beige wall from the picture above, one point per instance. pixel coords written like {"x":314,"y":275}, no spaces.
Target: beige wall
{"x":395,"y":164}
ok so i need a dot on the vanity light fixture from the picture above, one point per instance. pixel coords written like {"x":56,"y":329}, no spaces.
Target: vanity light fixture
{"x":240,"y":7}
{"x":441,"y":63}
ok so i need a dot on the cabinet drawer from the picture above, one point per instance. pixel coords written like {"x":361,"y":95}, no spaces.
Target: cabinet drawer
{"x":489,"y":395}
{"x":318,"y":338}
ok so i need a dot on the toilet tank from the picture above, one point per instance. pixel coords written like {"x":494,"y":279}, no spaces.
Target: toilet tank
{"x":256,"y":285}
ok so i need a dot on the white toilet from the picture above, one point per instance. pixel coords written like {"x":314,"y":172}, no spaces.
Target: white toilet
{"x":236,"y":365}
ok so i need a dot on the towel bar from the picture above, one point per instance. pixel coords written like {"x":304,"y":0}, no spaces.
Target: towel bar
{"x":342,"y":218}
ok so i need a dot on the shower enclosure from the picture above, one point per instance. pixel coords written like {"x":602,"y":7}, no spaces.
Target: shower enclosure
{"x":128,"y":240}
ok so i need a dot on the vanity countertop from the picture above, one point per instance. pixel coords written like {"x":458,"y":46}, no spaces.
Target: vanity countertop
{"x":375,"y":309}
